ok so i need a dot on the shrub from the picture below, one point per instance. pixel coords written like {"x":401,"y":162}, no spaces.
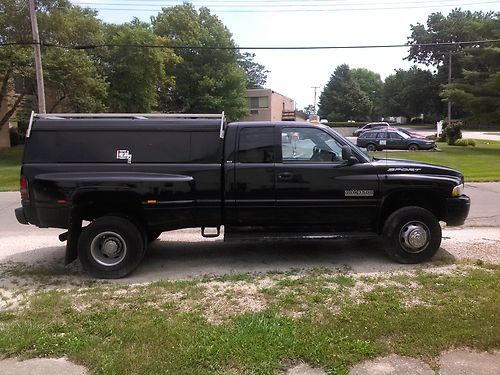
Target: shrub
{"x":453,"y":132}
{"x":15,"y":139}
{"x":465,"y":142}
{"x":462,"y":142}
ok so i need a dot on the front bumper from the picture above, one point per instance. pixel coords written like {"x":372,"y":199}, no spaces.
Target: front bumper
{"x":457,"y":210}
{"x":20,"y":216}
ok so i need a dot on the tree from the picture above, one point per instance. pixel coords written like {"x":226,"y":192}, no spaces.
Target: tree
{"x":342,"y":98}
{"x":136,"y":75}
{"x":309,"y":110}
{"x":371,"y":85}
{"x":474,"y":87}
{"x":256,"y":73}
{"x":72,"y":76}
{"x":207,"y":79}
{"x":478,"y":92}
{"x":410,"y":93}
{"x":458,"y":26}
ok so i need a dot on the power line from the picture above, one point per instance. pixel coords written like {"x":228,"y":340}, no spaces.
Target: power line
{"x":294,"y":8}
{"x":280,"y":3}
{"x":111,"y":45}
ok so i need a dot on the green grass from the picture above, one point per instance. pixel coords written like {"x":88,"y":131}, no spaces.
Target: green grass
{"x":10,"y":161}
{"x":480,"y":163}
{"x":329,"y":320}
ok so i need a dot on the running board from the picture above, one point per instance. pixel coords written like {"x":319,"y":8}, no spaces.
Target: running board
{"x":210,"y":235}
{"x":277,"y":236}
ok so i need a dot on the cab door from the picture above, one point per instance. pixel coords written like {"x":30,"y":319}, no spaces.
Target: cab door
{"x":318,"y":191}
{"x":251,"y":194}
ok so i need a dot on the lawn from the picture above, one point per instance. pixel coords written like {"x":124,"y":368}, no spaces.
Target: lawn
{"x":10,"y":161}
{"x":480,"y":163}
{"x":242,"y":324}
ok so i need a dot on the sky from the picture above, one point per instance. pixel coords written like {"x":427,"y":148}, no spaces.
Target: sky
{"x":272,"y":23}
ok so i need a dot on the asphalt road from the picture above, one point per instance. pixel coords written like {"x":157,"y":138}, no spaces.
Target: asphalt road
{"x":184,"y":254}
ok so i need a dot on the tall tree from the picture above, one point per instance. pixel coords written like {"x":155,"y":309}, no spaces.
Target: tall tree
{"x":410,"y":93}
{"x":478,"y":92}
{"x":256,"y":73}
{"x":136,"y":75}
{"x":371,"y":85}
{"x":457,"y":26}
{"x":342,"y":98}
{"x":206,"y":79}
{"x":71,"y":76}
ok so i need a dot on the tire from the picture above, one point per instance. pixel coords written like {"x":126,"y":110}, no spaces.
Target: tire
{"x":125,"y":247}
{"x":413,"y":147}
{"x":371,"y":147}
{"x":153,"y":235}
{"x":411,"y":235}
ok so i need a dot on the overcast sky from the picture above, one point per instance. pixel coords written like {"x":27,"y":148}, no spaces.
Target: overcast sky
{"x":308,"y":23}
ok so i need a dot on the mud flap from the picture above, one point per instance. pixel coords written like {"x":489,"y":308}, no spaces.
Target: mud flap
{"x":74,"y":230}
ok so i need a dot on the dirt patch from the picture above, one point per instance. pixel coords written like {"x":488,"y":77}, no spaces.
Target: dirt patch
{"x":465,"y":361}
{"x":304,"y":369}
{"x":392,"y":365}
{"x":41,"y":366}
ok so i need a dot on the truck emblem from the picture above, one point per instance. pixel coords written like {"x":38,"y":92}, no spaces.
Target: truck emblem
{"x":124,"y":155}
{"x":359,"y":193}
{"x":404,"y":169}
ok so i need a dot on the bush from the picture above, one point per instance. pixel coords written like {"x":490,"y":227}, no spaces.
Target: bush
{"x":461,"y":142}
{"x":465,"y":142}
{"x":453,"y":132}
{"x":15,"y":139}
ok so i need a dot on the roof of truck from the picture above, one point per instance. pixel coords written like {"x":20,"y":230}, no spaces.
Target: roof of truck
{"x":126,"y":124}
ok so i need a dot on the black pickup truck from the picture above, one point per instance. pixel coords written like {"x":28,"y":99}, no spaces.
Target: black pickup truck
{"x":115,"y":182}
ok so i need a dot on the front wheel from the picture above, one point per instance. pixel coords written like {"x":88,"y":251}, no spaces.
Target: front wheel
{"x":111,"y":247}
{"x":413,"y":147}
{"x":371,"y":147}
{"x":411,"y":235}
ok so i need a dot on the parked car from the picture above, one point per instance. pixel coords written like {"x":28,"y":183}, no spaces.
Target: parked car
{"x":370,"y":126}
{"x":115,"y":182}
{"x":381,"y":139}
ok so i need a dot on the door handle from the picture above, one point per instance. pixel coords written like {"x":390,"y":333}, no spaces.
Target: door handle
{"x":285,"y":176}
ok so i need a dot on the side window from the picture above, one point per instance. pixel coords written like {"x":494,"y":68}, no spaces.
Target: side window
{"x":395,"y":136}
{"x":309,"y":144}
{"x":381,"y":135}
{"x":256,"y":145}
{"x":371,"y":135}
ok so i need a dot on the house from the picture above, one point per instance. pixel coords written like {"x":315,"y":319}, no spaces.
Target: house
{"x":268,"y":105}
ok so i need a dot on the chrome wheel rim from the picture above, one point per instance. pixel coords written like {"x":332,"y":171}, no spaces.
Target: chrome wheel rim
{"x":414,"y":237}
{"x":108,"y":248}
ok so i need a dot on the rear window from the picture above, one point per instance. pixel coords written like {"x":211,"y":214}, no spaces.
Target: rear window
{"x":101,"y":146}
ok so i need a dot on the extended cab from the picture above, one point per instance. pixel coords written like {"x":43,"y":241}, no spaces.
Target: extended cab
{"x":115,"y":182}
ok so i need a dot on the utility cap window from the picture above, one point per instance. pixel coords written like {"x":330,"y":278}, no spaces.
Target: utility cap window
{"x":256,"y":145}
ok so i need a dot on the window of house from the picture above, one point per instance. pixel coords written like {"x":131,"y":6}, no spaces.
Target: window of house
{"x":256,"y":102}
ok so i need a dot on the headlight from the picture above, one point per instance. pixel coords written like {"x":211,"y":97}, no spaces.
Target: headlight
{"x":457,"y":190}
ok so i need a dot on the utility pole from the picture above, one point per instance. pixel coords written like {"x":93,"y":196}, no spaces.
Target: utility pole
{"x":38,"y":59}
{"x":449,"y":82}
{"x":315,"y":88}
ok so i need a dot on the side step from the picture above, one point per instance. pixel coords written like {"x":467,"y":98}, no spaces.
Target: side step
{"x":281,"y":236}
{"x":210,"y":235}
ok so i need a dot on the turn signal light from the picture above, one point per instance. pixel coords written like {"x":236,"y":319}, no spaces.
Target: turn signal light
{"x":23,"y":188}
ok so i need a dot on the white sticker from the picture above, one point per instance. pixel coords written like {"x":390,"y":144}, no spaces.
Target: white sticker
{"x":124,"y":155}
{"x":382,"y":142}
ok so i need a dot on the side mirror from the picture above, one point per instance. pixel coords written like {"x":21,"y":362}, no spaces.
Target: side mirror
{"x":348,"y":156}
